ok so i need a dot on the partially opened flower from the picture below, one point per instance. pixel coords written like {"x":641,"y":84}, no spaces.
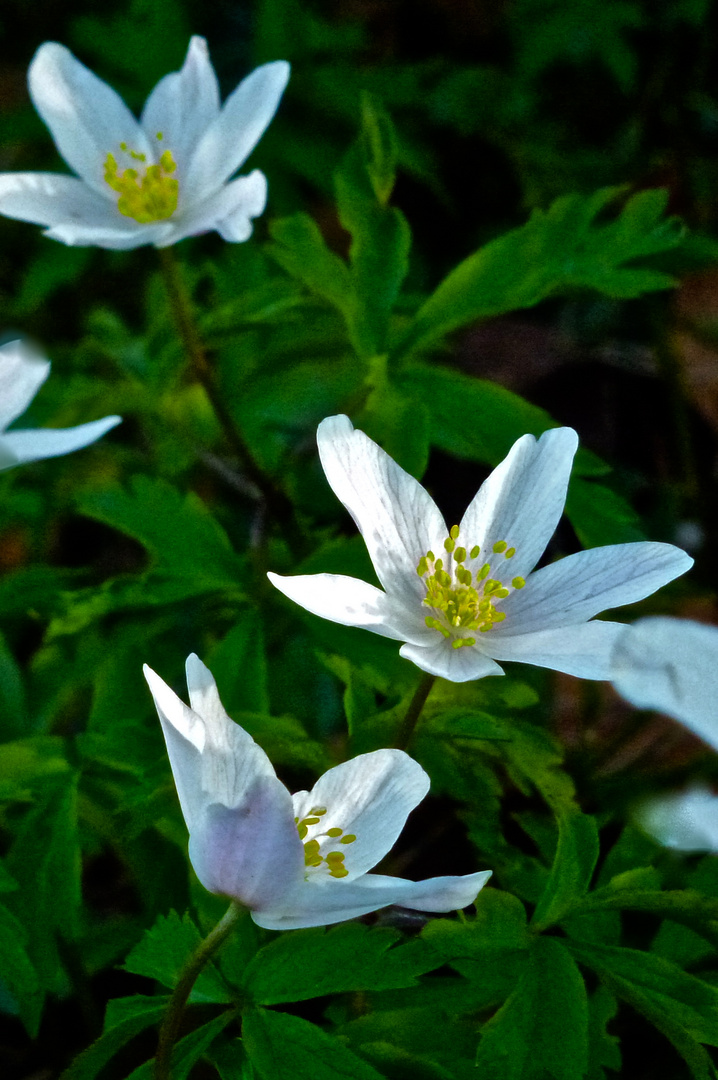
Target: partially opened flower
{"x":22,"y":373}
{"x":152,"y":182}
{"x":684,"y":820}
{"x":671,"y":665}
{"x":465,"y":597}
{"x":293,"y":860}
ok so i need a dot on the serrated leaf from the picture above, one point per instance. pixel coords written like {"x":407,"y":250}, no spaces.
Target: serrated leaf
{"x":311,"y":963}
{"x":18,"y":973}
{"x":572,"y":870}
{"x":603,"y":1048}
{"x":163,"y":951}
{"x":543,"y":1026}
{"x":682,"y":1006}
{"x":125,"y":1018}
{"x":284,"y":1047}
{"x":188,"y":1050}
{"x":559,"y":249}
{"x":178,"y":530}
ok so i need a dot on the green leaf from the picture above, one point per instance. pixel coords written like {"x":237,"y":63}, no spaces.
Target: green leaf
{"x":685,"y":906}
{"x":239,"y":665}
{"x":533,"y":755}
{"x":311,"y":963}
{"x":27,"y":763}
{"x":683,"y":1007}
{"x":162,"y":952}
{"x":603,"y":1049}
{"x":284,"y":1047}
{"x":125,"y":1018}
{"x":556,"y":251}
{"x":178,"y":530}
{"x":17,"y":972}
{"x":299,"y":247}
{"x":572,"y":870}
{"x":188,"y":1050}
{"x":45,"y":862}
{"x":477,"y":419}
{"x":600,"y":515}
{"x":543,"y":1026}
{"x":13,"y":710}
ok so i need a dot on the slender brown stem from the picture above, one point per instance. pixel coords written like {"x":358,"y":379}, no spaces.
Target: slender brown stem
{"x":258,"y":484}
{"x":188,"y":976}
{"x":406,"y":730}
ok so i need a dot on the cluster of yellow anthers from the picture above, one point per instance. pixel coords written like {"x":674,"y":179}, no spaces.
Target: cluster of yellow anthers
{"x":461,"y":602}
{"x":312,"y":856}
{"x":151,"y":197}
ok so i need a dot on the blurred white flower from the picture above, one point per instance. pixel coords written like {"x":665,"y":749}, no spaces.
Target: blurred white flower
{"x":152,"y":182}
{"x":671,"y":665}
{"x":465,"y":597}
{"x":22,"y":373}
{"x":684,"y":820}
{"x":293,"y":860}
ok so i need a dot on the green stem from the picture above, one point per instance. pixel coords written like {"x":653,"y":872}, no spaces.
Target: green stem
{"x":188,"y":976}
{"x":275,"y":500}
{"x":413,"y":713}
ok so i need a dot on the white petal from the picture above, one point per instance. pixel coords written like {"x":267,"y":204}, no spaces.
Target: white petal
{"x":252,"y":852}
{"x":86,"y":118}
{"x":231,"y":138}
{"x":671,"y":665}
{"x":228,"y":761}
{"x":185,"y":735}
{"x":229,"y":210}
{"x":522,"y":500}
{"x":183,"y":105}
{"x":51,"y":199}
{"x":584,"y":650}
{"x":353,"y":602}
{"x":76,"y":214}
{"x":335,"y":901}
{"x":582,"y":585}
{"x":39,"y":443}
{"x":371,"y":797}
{"x":22,"y":373}
{"x":684,"y":820}
{"x":396,"y":516}
{"x":456,"y":665}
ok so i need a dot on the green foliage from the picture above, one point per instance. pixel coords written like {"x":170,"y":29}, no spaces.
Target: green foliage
{"x":284,"y":1047}
{"x":163,"y":951}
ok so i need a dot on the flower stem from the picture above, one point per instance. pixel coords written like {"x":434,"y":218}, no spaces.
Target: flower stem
{"x":413,"y":713}
{"x":188,"y":976}
{"x":258,"y":484}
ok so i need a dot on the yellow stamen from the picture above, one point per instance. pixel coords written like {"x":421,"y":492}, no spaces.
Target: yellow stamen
{"x":149,"y":197}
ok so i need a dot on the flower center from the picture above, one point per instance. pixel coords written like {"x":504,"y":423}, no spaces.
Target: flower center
{"x":149,"y":195}
{"x":315,"y":853}
{"x":462,"y":600}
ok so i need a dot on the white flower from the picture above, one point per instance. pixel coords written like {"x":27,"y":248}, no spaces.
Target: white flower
{"x":21,"y":376}
{"x":152,"y":182}
{"x":671,"y":665}
{"x":685,"y":820}
{"x":463,"y":598}
{"x":293,"y":860}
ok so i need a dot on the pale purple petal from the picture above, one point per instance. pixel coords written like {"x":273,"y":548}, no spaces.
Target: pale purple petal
{"x":22,"y":373}
{"x":252,"y":852}
{"x":671,"y":665}
{"x":396,"y":516}
{"x":243,"y":120}
{"x":370,"y":797}
{"x":230,"y":211}
{"x":86,"y":118}
{"x":39,"y":443}
{"x":183,"y":105}
{"x":580,"y":586}
{"x":683,"y":820}
{"x":353,"y":602}
{"x":584,"y":650}
{"x":522,"y":500}
{"x":456,"y":665}
{"x":334,"y":901}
